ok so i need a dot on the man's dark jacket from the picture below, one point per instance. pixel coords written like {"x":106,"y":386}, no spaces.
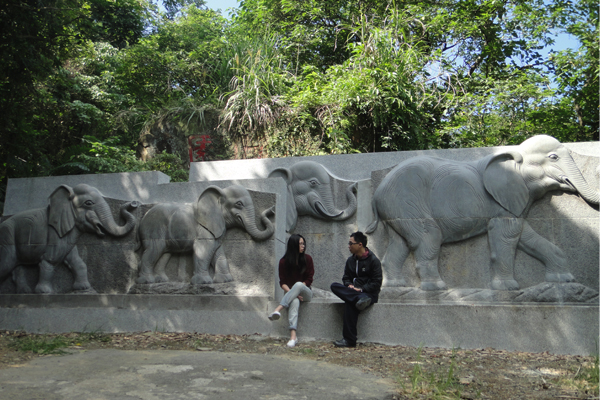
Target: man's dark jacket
{"x":369,"y":275}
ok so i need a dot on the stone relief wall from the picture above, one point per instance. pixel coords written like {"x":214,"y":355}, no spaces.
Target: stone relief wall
{"x":465,"y":226}
{"x":114,"y":264}
{"x":553,"y":232}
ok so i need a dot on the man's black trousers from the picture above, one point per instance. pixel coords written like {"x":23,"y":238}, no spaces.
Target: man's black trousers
{"x":350,"y":297}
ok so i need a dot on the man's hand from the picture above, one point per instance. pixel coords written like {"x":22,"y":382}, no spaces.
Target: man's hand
{"x":355,"y":288}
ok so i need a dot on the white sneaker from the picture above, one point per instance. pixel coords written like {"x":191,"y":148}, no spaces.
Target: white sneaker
{"x":274,"y":316}
{"x":292,"y":343}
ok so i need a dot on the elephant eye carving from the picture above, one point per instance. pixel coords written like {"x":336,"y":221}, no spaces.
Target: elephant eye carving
{"x":313,"y":182}
{"x":239,"y":204}
{"x":88,"y":203}
{"x":553,"y":157}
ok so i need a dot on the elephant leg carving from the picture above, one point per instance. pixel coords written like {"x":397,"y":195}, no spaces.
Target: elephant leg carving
{"x":548,"y":253}
{"x":153,"y":250}
{"x":8,"y":258}
{"x":20,"y":280}
{"x":46,"y":272}
{"x":79,"y":269}
{"x":395,"y":255}
{"x":222,"y":273}
{"x":182,"y":274}
{"x":427,"y":254}
{"x":503,"y":238}
{"x":159,"y":269}
{"x":202,"y":257}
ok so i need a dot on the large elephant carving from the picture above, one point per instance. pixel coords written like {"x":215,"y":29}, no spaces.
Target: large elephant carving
{"x":426,"y":202}
{"x":199,"y":227}
{"x":48,"y":236}
{"x":310,"y":193}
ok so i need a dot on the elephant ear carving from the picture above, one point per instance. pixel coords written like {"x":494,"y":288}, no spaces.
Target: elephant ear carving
{"x":291,"y":213}
{"x":503,"y":180}
{"x":208,"y":213}
{"x":61,"y":213}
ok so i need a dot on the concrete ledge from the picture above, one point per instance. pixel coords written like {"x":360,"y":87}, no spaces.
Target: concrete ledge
{"x":135,"y":302}
{"x":558,"y":329}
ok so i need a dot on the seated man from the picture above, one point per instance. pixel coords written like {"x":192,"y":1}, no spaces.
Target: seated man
{"x":362,"y":283}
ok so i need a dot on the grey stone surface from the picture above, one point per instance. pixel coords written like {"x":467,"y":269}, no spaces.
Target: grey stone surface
{"x":311,"y":191}
{"x":550,"y":292}
{"x":563,"y":219}
{"x":174,"y":375}
{"x":426,"y":202}
{"x":352,"y":167}
{"x":113,"y":263}
{"x":41,"y":239}
{"x":27,"y":193}
{"x":198,"y":228}
{"x":558,"y":329}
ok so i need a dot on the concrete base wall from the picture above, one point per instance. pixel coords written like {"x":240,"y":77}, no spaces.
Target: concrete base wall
{"x":558,"y":329}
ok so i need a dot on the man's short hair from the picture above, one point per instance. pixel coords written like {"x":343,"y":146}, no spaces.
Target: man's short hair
{"x":360,"y":237}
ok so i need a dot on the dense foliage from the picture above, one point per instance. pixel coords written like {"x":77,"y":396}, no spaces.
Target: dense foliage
{"x":83,"y":82}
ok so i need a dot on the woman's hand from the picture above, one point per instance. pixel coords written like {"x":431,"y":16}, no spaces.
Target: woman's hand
{"x":300,"y":298}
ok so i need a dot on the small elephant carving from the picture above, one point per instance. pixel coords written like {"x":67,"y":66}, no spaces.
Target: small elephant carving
{"x":199,"y":228}
{"x":48,"y":236}
{"x":309,"y":193}
{"x":429,"y":201}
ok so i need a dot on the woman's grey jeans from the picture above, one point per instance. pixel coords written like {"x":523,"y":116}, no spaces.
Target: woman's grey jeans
{"x":291,"y":302}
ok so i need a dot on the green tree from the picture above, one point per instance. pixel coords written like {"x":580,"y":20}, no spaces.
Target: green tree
{"x":44,"y":98}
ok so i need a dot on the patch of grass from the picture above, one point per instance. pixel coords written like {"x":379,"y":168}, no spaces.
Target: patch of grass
{"x":41,"y":344}
{"x":442,"y":384}
{"x":307,"y":351}
{"x":587,"y":377}
{"x":202,"y":343}
{"x":53,"y":344}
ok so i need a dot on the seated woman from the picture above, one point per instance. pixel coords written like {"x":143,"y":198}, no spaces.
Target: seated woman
{"x":296,"y":272}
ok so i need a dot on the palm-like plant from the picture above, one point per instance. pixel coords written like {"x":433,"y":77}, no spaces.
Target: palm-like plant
{"x":254,"y":103}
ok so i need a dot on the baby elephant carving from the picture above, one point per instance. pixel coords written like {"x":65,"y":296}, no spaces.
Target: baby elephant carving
{"x":47,"y":236}
{"x":428,"y":201}
{"x":199,"y":228}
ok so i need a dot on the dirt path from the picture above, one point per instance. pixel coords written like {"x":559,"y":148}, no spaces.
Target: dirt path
{"x":426,"y":373}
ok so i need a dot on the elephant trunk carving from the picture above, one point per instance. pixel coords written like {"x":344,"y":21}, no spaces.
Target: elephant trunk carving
{"x":323,"y":205}
{"x":108,"y":223}
{"x":576,"y":179}
{"x":250,"y":225}
{"x":351,"y":209}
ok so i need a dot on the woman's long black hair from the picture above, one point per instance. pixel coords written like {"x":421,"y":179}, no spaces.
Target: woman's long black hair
{"x":294,"y":260}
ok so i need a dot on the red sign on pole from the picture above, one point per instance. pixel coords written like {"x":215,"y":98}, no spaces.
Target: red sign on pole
{"x":197,"y":147}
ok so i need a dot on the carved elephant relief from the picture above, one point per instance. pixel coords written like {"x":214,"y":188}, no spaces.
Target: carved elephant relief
{"x":425,"y":202}
{"x":310,"y":193}
{"x":198,"y":228}
{"x":46,"y":237}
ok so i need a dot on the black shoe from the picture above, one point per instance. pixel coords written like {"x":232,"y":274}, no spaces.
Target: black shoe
{"x":363,"y":303}
{"x":343,"y":343}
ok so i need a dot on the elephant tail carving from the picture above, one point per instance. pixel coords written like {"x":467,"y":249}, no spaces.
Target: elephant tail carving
{"x":373,"y":225}
{"x":138,"y":240}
